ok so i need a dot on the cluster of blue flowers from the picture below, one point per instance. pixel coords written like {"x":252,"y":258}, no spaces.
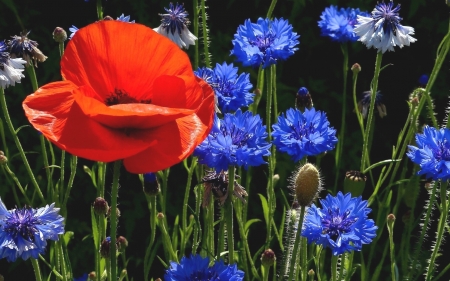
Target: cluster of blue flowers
{"x":232,"y":91}
{"x":197,"y":268}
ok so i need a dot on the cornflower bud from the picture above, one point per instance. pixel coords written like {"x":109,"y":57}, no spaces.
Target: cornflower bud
{"x":268,"y":257}
{"x":60,"y":35}
{"x":100,"y":206}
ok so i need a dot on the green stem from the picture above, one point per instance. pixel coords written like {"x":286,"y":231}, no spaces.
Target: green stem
{"x":228,"y":209}
{"x":152,"y":207}
{"x":73,"y":170}
{"x":368,"y":129}
{"x":61,"y":258}
{"x":205,"y":35}
{"x":271,"y":7}
{"x":167,"y":242}
{"x":265,"y":272}
{"x":355,"y":103}
{"x":37,"y":270}
{"x":270,"y":192}
{"x":185,"y":205}
{"x":258,"y":91}
{"x":304,"y":257}
{"x":424,"y":230}
{"x":350,"y":265}
{"x":61,"y":48}
{"x":340,"y":144}
{"x":390,"y":226}
{"x":113,"y":220}
{"x":441,"y":230}
{"x":19,"y":145}
{"x":16,"y":180}
{"x":99,"y":12}
{"x":297,"y":243}
{"x":334,"y":261}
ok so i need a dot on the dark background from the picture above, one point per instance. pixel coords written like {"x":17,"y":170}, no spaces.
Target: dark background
{"x":317,"y":65}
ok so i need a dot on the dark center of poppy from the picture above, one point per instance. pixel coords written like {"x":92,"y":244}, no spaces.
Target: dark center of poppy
{"x":122,"y":97}
{"x":336,"y":224}
{"x":21,"y":222}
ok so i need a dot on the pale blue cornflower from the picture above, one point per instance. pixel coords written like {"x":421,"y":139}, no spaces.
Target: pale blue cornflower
{"x":174,"y":25}
{"x":24,"y":232}
{"x":382,"y":30}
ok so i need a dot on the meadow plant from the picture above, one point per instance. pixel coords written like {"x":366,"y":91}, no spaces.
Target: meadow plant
{"x":241,"y":176}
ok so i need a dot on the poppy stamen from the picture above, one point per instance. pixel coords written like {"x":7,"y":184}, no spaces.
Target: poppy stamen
{"x":122,"y":97}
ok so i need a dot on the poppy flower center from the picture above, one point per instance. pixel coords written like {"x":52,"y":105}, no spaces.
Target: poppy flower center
{"x":122,"y":97}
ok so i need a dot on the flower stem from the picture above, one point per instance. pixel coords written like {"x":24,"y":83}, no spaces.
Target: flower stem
{"x":297,"y":243}
{"x":19,"y":145}
{"x":258,"y":91}
{"x":151,"y":200}
{"x":441,"y":230}
{"x":340,"y":144}
{"x":205,"y":35}
{"x":37,"y":270}
{"x":368,"y":129}
{"x":228,"y":210}
{"x":184,"y":219}
{"x":304,"y":257}
{"x":334,"y":261}
{"x":390,"y":227}
{"x":113,"y":219}
{"x":271,"y":7}
{"x":99,"y":10}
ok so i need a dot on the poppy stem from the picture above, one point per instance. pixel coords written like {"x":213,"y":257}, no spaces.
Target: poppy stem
{"x":113,"y":219}
{"x":293,"y":262}
{"x":19,"y":145}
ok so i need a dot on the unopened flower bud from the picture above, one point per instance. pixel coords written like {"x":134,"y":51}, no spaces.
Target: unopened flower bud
{"x":354,"y":182}
{"x":3,"y":159}
{"x":109,"y":213}
{"x":257,"y":92}
{"x":100,"y":206}
{"x":356,"y":68}
{"x":391,"y":218}
{"x":151,"y":184}
{"x":268,"y":258}
{"x":307,"y":184}
{"x":311,"y":272}
{"x":123,"y":274}
{"x":303,"y":99}
{"x":86,"y":169}
{"x":108,"y":18}
{"x":92,"y":276}
{"x":104,"y":247}
{"x":122,"y":243}
{"x":160,"y":216}
{"x":60,"y":35}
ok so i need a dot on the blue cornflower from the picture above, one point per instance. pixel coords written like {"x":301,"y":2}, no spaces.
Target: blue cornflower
{"x":364,"y":103}
{"x":197,"y":268}
{"x":238,"y":140}
{"x":339,"y":24}
{"x":122,"y":18}
{"x":24,"y":232}
{"x":23,"y":47}
{"x":264,"y":42}
{"x":432,"y":153}
{"x":341,"y":224}
{"x":303,"y":134}
{"x":232,"y":91}
{"x":10,"y":69}
{"x":174,"y":25}
{"x":382,"y":30}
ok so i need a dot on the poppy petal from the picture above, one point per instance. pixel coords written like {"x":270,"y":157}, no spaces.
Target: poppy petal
{"x":176,"y":140}
{"x":53,"y":112}
{"x":110,"y":55}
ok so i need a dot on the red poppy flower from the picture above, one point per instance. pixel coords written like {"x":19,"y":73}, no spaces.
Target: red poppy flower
{"x":129,"y":93}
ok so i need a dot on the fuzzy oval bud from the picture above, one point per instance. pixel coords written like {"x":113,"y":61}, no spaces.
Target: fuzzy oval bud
{"x":356,"y":68}
{"x":160,"y":216}
{"x":92,"y":276}
{"x":59,"y":34}
{"x":108,"y":214}
{"x":311,"y":272}
{"x":122,"y":243}
{"x":100,"y":206}
{"x":268,"y":257}
{"x":354,"y":182}
{"x":3,"y":159}
{"x":307,"y":184}
{"x":391,"y":218}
